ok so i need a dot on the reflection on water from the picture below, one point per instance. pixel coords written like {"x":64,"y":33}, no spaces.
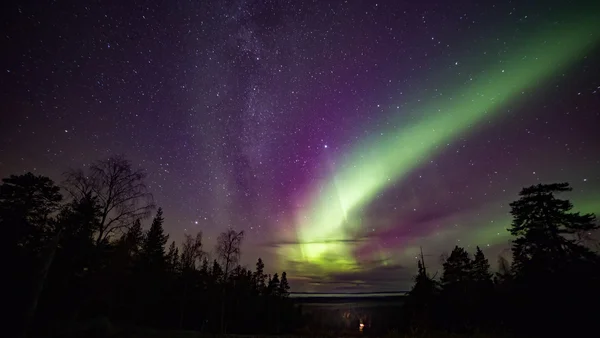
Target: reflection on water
{"x":372,"y":313}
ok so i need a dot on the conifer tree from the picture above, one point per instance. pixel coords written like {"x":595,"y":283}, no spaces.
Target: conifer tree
{"x":457,"y":283}
{"x":26,"y":203}
{"x":273,"y":286}
{"x":153,"y":249}
{"x":547,"y":256}
{"x":259,"y":276}
{"x":480,"y":268}
{"x":457,"y":268}
{"x":284,"y":287}
{"x":544,"y":226}
{"x":154,"y":269}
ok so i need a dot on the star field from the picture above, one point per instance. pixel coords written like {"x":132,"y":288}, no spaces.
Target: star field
{"x":341,"y":136}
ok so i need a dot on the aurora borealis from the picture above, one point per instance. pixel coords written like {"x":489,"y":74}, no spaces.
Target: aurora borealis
{"x":341,"y":136}
{"x":325,"y":228}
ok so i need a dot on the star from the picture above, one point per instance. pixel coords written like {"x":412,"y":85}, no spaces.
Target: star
{"x":246,"y":113}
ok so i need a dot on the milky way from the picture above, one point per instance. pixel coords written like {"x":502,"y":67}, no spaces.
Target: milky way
{"x":341,"y":136}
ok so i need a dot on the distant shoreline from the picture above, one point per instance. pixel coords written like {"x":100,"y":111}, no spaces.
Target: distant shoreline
{"x":347,"y":294}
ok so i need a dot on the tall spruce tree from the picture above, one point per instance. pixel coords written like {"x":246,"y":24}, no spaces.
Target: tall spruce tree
{"x":273,"y":285}
{"x":480,"y":268}
{"x":153,"y":249}
{"x":284,"y":287}
{"x":259,"y":276}
{"x":457,"y":285}
{"x":154,"y":272}
{"x":481,"y":291}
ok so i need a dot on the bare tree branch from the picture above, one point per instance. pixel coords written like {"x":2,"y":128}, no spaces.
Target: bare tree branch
{"x":191,"y":252}
{"x":229,"y":249}
{"x":118,"y":189}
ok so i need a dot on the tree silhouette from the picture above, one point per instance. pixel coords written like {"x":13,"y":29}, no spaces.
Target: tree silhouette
{"x":542,"y":224}
{"x":259,"y":277}
{"x":273,"y":286}
{"x":119,"y":190}
{"x":153,"y":270}
{"x":422,"y":298}
{"x":457,"y":268}
{"x":457,"y":281}
{"x":134,"y":239}
{"x":547,"y":257}
{"x":153,"y":249}
{"x":284,"y":287}
{"x":191,"y":252}
{"x":480,"y":268}
{"x":504,"y":273}
{"x":173,"y":258}
{"x":30,"y":239}
{"x":89,"y":261}
{"x":26,"y":204}
{"x":482,"y":288}
{"x":228,"y":251}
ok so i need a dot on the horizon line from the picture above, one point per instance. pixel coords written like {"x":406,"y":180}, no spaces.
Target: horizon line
{"x":342,"y":294}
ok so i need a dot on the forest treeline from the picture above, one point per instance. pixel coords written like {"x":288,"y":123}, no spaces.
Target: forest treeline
{"x":550,"y":288}
{"x":79,"y":254}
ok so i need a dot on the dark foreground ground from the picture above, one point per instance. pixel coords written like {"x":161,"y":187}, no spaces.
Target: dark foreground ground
{"x":328,"y":316}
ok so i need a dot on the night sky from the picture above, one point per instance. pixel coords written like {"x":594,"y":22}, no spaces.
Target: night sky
{"x":341,"y":136}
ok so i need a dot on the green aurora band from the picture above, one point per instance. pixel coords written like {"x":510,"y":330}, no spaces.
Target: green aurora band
{"x":327,"y":226}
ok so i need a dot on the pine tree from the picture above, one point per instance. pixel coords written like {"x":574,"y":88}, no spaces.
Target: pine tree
{"x":543,"y":225}
{"x":26,"y":204}
{"x":480,"y":291}
{"x":273,"y":286}
{"x":259,"y":277}
{"x":480,"y":268}
{"x":457,"y":268}
{"x":153,"y":250}
{"x":548,"y":257}
{"x":284,"y":287}
{"x":154,"y":271}
{"x":457,"y":283}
